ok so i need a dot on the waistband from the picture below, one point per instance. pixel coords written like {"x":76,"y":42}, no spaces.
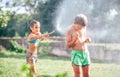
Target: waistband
{"x":30,"y":53}
{"x":79,"y":51}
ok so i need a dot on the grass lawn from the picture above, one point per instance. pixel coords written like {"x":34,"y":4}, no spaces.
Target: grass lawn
{"x":10,"y":66}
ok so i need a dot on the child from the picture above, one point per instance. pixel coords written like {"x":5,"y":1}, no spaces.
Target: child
{"x":76,"y":39}
{"x":33,"y":39}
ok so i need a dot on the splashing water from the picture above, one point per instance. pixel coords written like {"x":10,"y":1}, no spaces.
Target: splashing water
{"x":97,"y":18}
{"x":67,"y":11}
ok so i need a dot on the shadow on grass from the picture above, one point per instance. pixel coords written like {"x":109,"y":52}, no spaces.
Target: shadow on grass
{"x":23,"y":56}
{"x":65,"y":74}
{"x":1,"y":72}
{"x":53,"y":57}
{"x":44,"y":56}
{"x":101,"y":61}
{"x":8,"y":54}
{"x":26,"y":67}
{"x":12,"y":55}
{"x":58,"y":75}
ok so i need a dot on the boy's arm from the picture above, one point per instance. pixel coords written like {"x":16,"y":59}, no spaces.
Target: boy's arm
{"x":88,"y":39}
{"x":70,"y":39}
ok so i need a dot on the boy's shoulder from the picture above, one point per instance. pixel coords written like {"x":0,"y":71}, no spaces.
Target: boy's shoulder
{"x":70,"y":29}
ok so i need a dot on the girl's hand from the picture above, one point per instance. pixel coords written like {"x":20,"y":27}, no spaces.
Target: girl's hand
{"x":43,"y":36}
{"x":46,"y":35}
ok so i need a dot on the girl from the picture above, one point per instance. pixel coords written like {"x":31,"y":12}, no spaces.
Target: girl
{"x":33,"y":39}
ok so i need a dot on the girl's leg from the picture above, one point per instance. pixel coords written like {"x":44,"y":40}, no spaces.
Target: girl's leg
{"x":33,"y":63}
{"x":85,"y":70}
{"x":32,"y":69}
{"x":76,"y":70}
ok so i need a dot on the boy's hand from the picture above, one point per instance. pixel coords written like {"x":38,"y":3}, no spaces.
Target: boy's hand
{"x":88,"y":40}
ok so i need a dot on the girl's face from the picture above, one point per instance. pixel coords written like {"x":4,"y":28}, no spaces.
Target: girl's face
{"x":35,"y":28}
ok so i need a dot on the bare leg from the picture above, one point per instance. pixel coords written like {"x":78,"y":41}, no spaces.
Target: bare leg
{"x":85,"y":70}
{"x":32,"y":69}
{"x":76,"y":70}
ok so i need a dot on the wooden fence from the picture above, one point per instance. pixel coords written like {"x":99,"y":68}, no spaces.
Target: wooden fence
{"x":23,"y":41}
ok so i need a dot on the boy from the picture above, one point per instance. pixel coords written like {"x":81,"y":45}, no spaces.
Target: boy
{"x":76,"y":39}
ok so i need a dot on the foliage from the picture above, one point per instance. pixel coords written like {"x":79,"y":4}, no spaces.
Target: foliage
{"x":35,"y":9}
{"x":4,"y":18}
{"x":44,"y":48}
{"x":16,"y":47}
{"x":6,"y":53}
{"x":19,"y":24}
{"x":45,"y":13}
{"x":62,"y":75}
{"x":25,"y":70}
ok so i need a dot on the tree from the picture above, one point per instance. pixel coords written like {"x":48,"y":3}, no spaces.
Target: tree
{"x":46,"y":13}
{"x":42,"y":10}
{"x":4,"y":18}
{"x":18,"y":25}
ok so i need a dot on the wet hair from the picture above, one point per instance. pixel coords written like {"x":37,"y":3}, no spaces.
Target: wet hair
{"x":32,"y":25}
{"x":34,"y":22}
{"x":81,"y":20}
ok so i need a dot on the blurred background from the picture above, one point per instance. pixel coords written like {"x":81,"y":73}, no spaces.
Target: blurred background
{"x":103,"y":17}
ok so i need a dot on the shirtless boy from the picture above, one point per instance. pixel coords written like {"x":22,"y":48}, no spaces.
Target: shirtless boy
{"x":76,"y":39}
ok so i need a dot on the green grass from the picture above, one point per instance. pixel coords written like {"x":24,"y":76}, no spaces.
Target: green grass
{"x":10,"y":66}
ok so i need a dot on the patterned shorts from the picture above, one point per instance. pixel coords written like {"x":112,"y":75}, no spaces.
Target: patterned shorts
{"x":30,"y":58}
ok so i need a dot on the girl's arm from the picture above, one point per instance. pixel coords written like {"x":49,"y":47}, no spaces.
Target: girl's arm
{"x":43,"y":36}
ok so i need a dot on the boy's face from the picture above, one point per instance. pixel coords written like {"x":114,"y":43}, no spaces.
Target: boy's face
{"x":78,"y":27}
{"x":35,"y":28}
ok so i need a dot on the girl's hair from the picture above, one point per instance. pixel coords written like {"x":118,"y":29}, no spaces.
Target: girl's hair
{"x":34,"y":22}
{"x":81,"y":20}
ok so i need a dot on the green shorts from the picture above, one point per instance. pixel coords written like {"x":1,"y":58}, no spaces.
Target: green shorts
{"x":80,"y":58}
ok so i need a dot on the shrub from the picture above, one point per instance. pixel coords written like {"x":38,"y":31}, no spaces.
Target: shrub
{"x":44,"y":48}
{"x":25,"y":72}
{"x":16,"y":47}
